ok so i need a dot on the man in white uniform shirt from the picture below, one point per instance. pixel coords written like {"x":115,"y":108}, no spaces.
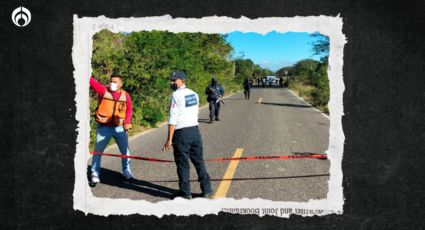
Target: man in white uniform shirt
{"x":184,"y":136}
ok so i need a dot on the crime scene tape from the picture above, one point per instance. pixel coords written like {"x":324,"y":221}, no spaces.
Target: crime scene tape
{"x":247,"y":158}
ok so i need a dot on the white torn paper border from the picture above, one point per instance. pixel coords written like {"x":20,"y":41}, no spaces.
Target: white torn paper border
{"x":86,"y":27}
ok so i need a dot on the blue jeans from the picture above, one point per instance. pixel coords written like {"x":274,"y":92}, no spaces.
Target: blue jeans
{"x":103,"y":135}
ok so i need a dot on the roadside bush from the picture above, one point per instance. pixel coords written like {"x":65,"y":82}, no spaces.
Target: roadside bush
{"x":145,"y":60}
{"x":312,"y":84}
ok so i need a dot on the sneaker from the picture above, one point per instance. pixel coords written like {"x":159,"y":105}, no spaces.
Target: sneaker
{"x":211,"y":120}
{"x":188,"y":197}
{"x":207,"y":194}
{"x":217,"y":119}
{"x":127,"y":174}
{"x":95,"y":178}
{"x":182,"y":195}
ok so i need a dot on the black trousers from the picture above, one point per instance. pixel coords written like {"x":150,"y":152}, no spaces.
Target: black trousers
{"x":214,"y":109}
{"x":187,"y":144}
{"x":247,"y":92}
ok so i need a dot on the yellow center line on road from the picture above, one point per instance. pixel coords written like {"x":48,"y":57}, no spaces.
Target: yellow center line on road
{"x":260,"y":100}
{"x":227,"y":178}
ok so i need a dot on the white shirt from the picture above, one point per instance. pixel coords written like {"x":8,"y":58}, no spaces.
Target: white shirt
{"x":184,"y":108}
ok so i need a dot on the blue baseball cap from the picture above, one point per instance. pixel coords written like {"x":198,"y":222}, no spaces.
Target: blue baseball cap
{"x":178,"y":75}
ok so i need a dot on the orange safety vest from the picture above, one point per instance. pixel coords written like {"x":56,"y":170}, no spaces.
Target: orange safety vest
{"x":110,"y":110}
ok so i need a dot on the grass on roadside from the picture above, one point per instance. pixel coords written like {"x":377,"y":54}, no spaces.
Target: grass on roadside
{"x":308,"y":92}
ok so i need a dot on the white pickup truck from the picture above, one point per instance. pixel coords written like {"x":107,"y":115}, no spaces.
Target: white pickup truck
{"x":272,"y":79}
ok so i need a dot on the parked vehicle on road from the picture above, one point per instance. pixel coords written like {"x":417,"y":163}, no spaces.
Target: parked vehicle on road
{"x":272,"y":80}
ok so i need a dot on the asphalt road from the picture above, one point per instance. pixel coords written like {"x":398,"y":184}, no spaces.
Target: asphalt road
{"x":273,"y":122}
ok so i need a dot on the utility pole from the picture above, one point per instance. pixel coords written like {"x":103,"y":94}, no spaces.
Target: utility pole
{"x":287,"y":78}
{"x":234,"y":68}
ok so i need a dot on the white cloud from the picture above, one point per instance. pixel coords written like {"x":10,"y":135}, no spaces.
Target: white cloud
{"x":275,"y":65}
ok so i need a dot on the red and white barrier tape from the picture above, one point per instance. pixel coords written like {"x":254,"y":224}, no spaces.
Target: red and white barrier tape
{"x":247,"y":158}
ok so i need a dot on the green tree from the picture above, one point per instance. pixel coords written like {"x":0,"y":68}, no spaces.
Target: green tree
{"x":321,"y":46}
{"x":310,"y":81}
{"x":304,"y":70}
{"x":244,"y":68}
{"x":145,"y":60}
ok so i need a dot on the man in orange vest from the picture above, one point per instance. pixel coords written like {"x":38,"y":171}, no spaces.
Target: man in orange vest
{"x":113,"y":116}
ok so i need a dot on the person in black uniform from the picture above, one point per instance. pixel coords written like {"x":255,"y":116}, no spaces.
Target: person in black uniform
{"x":214,"y":92}
{"x":247,"y":88}
{"x":184,"y":136}
{"x":281,"y":81}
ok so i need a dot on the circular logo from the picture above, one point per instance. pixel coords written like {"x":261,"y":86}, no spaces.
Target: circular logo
{"x":21,"y":16}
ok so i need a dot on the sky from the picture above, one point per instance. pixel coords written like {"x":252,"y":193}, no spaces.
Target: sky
{"x":273,"y":50}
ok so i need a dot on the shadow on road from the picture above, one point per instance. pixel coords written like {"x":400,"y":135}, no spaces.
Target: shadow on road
{"x":286,"y":104}
{"x":267,"y":86}
{"x":204,"y":120}
{"x":113,"y":178}
{"x":250,"y":178}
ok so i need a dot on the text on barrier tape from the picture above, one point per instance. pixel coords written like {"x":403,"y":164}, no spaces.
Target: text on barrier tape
{"x":248,"y":158}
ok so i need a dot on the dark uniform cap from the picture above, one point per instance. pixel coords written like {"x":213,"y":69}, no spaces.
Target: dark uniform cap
{"x":178,"y":75}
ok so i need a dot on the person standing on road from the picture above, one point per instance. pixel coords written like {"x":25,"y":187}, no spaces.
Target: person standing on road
{"x":184,"y":136}
{"x":214,"y":92}
{"x":263,"y":81}
{"x":113,"y":116}
{"x":247,"y":88}
{"x":281,"y":81}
